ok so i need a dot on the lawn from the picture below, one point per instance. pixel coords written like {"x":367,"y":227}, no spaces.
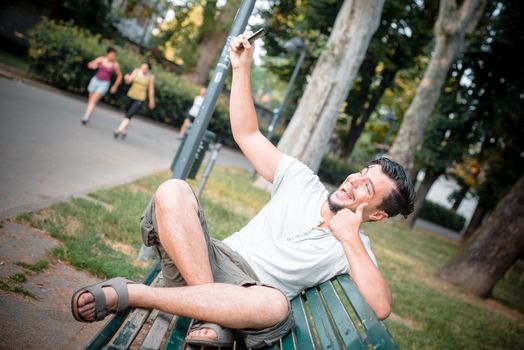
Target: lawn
{"x":104,"y":239}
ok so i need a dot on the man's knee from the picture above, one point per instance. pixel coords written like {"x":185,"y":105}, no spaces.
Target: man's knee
{"x":274,"y":306}
{"x":175,"y":191}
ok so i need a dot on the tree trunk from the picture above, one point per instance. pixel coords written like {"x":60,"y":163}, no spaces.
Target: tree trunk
{"x":429,"y":179}
{"x":460,"y":197}
{"x":358,"y":124}
{"x":499,"y":243}
{"x":212,"y":41}
{"x":474,"y":223}
{"x":308,"y":134}
{"x":451,"y":28}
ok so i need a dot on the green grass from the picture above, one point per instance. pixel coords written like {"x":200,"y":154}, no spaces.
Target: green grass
{"x":37,"y":267}
{"x":428,"y":314}
{"x":16,"y":61}
{"x":14,"y":284}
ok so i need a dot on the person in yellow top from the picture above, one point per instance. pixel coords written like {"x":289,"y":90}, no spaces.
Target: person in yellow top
{"x":142,"y":83}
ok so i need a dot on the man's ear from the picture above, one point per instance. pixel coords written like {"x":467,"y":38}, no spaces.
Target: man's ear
{"x":378,"y":215}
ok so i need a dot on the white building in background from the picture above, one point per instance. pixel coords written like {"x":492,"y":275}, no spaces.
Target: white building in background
{"x":440,"y":192}
{"x":137,"y":19}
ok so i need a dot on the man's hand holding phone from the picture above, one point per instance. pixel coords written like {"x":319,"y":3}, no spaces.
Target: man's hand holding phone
{"x":241,"y":51}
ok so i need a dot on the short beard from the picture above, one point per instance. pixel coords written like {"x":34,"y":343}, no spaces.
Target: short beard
{"x":334,"y":207}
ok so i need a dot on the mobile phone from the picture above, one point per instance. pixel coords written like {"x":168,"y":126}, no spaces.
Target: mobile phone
{"x":254,"y":37}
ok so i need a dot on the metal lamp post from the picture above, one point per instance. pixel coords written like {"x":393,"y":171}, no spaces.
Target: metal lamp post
{"x":187,"y":154}
{"x":293,"y":45}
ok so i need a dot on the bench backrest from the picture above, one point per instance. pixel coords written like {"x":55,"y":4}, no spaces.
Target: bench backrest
{"x":332,"y":315}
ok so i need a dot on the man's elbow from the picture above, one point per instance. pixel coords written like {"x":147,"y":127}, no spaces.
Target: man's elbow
{"x":382,"y":310}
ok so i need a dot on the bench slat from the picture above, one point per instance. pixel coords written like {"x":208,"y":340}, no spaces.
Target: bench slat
{"x":323,"y":325}
{"x":302,"y":328}
{"x":377,"y":333}
{"x":178,"y":334}
{"x":133,"y":324}
{"x":288,"y":343}
{"x":157,"y":332}
{"x":129,"y":330}
{"x":343,"y":322}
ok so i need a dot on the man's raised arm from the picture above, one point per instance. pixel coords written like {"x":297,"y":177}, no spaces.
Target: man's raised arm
{"x":260,"y":152}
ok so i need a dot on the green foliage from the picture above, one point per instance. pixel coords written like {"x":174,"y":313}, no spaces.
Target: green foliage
{"x":60,"y":52}
{"x":442,"y":216}
{"x":92,"y":14}
{"x":334,"y":170}
{"x":404,"y":31}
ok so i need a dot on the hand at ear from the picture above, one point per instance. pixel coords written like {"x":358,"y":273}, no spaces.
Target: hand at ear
{"x":345,"y":224}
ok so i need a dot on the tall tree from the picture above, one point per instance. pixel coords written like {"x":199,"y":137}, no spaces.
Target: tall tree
{"x":400,"y":38}
{"x":453,"y":24}
{"x":446,"y":139}
{"x":499,"y":243}
{"x":195,"y":36}
{"x":308,"y":134}
{"x":497,"y":77}
{"x":213,"y":33}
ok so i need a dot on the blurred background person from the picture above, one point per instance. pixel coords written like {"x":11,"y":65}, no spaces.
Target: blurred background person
{"x":100,"y":82}
{"x":193,"y":112}
{"x":142,"y":84}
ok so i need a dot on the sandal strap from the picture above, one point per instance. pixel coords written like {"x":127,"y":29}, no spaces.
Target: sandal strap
{"x":100,"y":301}
{"x":119,"y":284}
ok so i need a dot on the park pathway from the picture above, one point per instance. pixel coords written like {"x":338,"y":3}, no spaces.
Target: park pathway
{"x":47,"y":156}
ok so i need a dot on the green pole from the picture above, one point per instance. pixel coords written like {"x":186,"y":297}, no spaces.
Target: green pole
{"x":189,"y":148}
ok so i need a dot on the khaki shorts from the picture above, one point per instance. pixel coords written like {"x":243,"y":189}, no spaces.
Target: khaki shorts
{"x":227,"y":266}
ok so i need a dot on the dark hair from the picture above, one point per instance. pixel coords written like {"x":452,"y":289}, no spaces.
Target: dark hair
{"x":110,"y":49}
{"x":402,"y":198}
{"x":148,"y":64}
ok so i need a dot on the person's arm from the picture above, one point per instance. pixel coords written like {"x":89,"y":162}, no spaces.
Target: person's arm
{"x":152,"y":92}
{"x":128,"y":78}
{"x":94,"y":63}
{"x":260,"y":152}
{"x":370,"y":282}
{"x":118,"y":78}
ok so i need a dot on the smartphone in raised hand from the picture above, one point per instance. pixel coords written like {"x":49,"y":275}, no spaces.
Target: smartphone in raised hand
{"x":259,"y":33}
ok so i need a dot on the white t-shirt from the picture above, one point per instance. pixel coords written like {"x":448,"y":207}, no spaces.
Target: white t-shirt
{"x":283,"y":243}
{"x":195,"y":108}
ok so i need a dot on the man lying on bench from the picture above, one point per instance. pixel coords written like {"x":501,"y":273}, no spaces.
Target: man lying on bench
{"x":302,"y":237}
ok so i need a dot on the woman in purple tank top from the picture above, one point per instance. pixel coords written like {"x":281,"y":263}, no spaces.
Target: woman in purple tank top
{"x":100,"y":82}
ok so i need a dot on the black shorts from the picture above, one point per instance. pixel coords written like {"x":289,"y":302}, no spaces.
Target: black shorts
{"x":227,"y":267}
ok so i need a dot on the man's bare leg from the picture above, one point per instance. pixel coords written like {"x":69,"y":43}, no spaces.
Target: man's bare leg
{"x":181,"y":235}
{"x":231,"y":306}
{"x":180,"y":231}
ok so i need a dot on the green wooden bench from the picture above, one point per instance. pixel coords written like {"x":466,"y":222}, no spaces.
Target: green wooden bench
{"x":332,"y":315}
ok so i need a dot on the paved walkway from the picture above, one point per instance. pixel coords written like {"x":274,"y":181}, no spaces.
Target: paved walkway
{"x":43,"y":322}
{"x":48,"y":156}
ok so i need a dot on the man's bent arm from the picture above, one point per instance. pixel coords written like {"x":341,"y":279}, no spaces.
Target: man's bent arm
{"x":368,"y":278}
{"x":370,"y":282}
{"x":260,"y":152}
